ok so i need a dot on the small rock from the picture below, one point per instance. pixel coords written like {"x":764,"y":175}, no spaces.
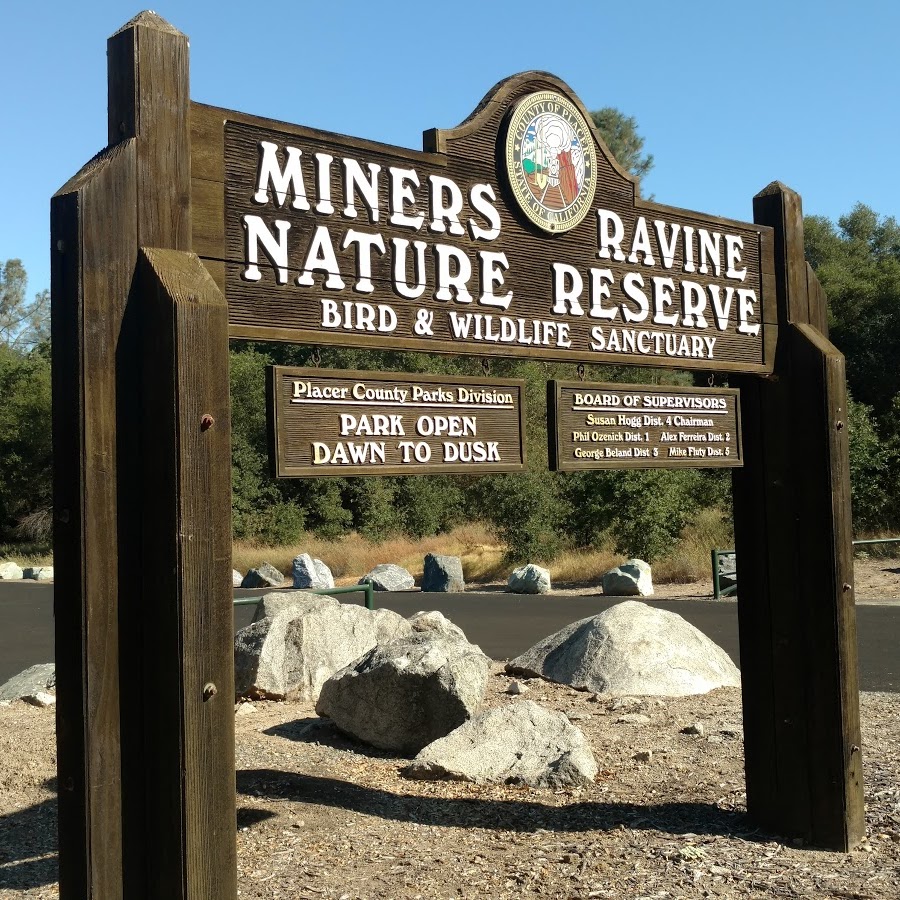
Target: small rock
{"x":34,"y":680}
{"x":715,"y":739}
{"x":389,"y":577}
{"x":697,"y":728}
{"x":245,"y":709}
{"x":236,"y":578}
{"x":530,"y":579}
{"x":311,"y":574}
{"x":10,"y":571}
{"x":632,"y":579}
{"x":265,"y":576}
{"x":41,"y":699}
{"x":443,"y":573}
{"x":517,"y":688}
{"x":38,"y":573}
{"x":633,"y":719}
{"x":643,"y":756}
{"x":578,"y":716}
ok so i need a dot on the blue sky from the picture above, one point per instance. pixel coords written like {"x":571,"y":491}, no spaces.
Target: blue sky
{"x":728,"y":97}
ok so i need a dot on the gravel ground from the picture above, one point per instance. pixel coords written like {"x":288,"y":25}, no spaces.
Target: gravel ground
{"x":320,"y":816}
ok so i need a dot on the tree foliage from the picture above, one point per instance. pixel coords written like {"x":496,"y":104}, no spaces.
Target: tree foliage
{"x":23,"y":323}
{"x":621,"y":135}
{"x":857,"y":261}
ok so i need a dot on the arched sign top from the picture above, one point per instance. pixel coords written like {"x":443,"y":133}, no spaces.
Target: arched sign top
{"x":515,"y":233}
{"x":508,"y":94}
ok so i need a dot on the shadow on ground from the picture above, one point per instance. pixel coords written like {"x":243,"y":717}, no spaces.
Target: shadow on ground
{"x":28,"y":847}
{"x":510,"y":815}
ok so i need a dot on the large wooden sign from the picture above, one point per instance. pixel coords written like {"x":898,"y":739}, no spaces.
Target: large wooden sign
{"x":611,"y":426}
{"x":514,"y":234}
{"x":328,"y":422}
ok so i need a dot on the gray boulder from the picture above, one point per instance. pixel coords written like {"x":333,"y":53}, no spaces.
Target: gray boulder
{"x":38,"y":573}
{"x":311,"y":573}
{"x":305,"y":640}
{"x":10,"y":571}
{"x":630,"y":649}
{"x":265,"y":576}
{"x":519,"y":743}
{"x":434,"y":622}
{"x":31,"y":681}
{"x":236,"y":578}
{"x":388,"y":577}
{"x":443,"y":573}
{"x":403,"y":695}
{"x":530,"y":579}
{"x":632,"y":579}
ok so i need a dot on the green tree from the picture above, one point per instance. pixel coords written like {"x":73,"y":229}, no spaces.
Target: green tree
{"x":857,"y":261}
{"x":858,"y":264}
{"x":25,"y":436}
{"x":621,"y":136}
{"x":23,"y":323}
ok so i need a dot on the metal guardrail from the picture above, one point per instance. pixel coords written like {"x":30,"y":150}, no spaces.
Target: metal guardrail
{"x":719,"y":591}
{"x":353,"y":589}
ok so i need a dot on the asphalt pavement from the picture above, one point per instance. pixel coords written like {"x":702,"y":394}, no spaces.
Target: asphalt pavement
{"x":504,"y":625}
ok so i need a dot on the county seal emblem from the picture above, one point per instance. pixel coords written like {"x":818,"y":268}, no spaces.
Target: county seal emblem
{"x":550,"y":161}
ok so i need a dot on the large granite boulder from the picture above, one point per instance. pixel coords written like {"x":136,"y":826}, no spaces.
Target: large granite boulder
{"x":10,"y":571}
{"x":309,"y":573}
{"x":435,"y":622}
{"x":630,"y":649}
{"x":443,"y":573}
{"x":403,"y":695}
{"x":270,"y":605}
{"x":519,"y":743}
{"x":530,"y":579}
{"x":389,"y":577}
{"x":236,"y":578}
{"x":632,"y":579}
{"x":265,"y":576}
{"x":306,"y":639}
{"x":33,"y":680}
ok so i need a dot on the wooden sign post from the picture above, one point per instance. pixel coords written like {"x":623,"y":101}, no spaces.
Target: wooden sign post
{"x":514,"y":234}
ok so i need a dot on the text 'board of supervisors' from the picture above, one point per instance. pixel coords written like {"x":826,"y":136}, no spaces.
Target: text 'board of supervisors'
{"x":611,"y":426}
{"x":514,"y":234}
{"x":330,"y":422}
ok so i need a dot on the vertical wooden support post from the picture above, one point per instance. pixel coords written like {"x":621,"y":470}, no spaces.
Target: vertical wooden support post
{"x":94,"y":246}
{"x":188,"y":627}
{"x":794,"y":545}
{"x":142,"y":499}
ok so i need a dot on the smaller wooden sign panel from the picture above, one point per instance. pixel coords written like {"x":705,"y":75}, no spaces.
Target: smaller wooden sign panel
{"x":336,"y":422}
{"x":611,"y":426}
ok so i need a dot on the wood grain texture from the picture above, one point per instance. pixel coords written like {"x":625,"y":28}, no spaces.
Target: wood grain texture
{"x":468,"y":154}
{"x":189,"y":757}
{"x":93,"y":246}
{"x":583,"y":434}
{"x":296,"y":422}
{"x":793,"y":539}
{"x":149,"y":98}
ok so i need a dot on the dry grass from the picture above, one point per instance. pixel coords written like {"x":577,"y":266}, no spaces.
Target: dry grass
{"x":690,"y":558}
{"x":352,"y":556}
{"x":482,"y":555}
{"x":25,"y":555}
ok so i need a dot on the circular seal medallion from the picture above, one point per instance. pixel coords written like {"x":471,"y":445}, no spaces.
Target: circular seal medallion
{"x":550,"y":161}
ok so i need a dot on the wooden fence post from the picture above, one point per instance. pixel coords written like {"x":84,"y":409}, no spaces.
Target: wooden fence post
{"x":142,"y":535}
{"x":794,"y":544}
